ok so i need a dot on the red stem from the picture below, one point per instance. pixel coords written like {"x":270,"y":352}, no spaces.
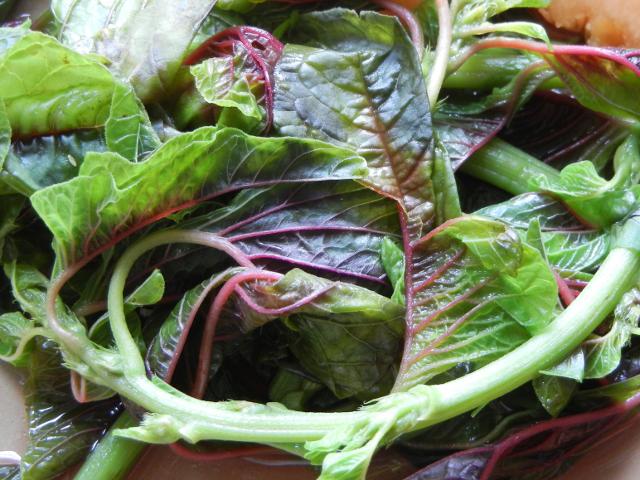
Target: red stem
{"x":206,"y":344}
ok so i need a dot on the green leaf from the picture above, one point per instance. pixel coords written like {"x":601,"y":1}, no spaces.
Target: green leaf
{"x":29,"y":288}
{"x":185,"y":171}
{"x":603,"y":354}
{"x":554,"y":393}
{"x":571,"y":367}
{"x":14,"y":330}
{"x":567,"y":244}
{"x":593,"y":199}
{"x":473,"y":15}
{"x":292,"y":389}
{"x":348,"y":337}
{"x":166,"y":347}
{"x":478,"y":292}
{"x":128,"y":130}
{"x":10,"y":35}
{"x":220,"y":82}
{"x":127,"y":33}
{"x":445,"y":190}
{"x":61,"y":90}
{"x":394,"y":265}
{"x":61,"y":431}
{"x":36,"y":163}
{"x":58,"y":89}
{"x":148,"y":292}
{"x":362,"y":89}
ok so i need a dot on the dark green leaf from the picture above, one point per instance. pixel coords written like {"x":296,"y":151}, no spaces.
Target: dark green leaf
{"x":42,"y":161}
{"x":168,"y":344}
{"x":554,"y":393}
{"x":61,"y":431}
{"x":349,"y":337}
{"x":11,"y":207}
{"x":363,"y":89}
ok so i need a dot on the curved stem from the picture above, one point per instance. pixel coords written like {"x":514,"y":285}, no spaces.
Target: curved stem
{"x":206,"y":344}
{"x":125,"y":342}
{"x":618,"y":273}
{"x":441,"y":57}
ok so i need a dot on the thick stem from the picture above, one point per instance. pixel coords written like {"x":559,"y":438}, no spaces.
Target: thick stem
{"x":248,"y":422}
{"x":618,"y":273}
{"x":113,"y":457}
{"x":506,"y":167}
{"x":441,"y":57}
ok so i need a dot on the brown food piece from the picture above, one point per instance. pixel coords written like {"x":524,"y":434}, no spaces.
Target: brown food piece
{"x":613,"y":23}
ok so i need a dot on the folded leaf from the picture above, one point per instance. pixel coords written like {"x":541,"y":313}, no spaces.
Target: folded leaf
{"x":239,"y":77}
{"x":477,"y":292}
{"x":187,"y":170}
{"x":167,"y":346}
{"x":603,"y":354}
{"x":568,"y":245}
{"x":348,"y":337}
{"x":593,"y":199}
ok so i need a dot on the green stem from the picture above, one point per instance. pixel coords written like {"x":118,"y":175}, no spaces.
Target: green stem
{"x":506,"y":167}
{"x":202,"y":420}
{"x":618,"y":274}
{"x":441,"y":57}
{"x":113,"y":457}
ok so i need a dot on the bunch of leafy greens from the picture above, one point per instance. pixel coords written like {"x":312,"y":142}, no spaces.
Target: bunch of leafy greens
{"x":324,"y":227}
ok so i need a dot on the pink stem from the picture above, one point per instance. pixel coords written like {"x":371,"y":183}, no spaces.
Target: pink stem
{"x":206,"y":345}
{"x":408,"y":19}
{"x":566,"y":294}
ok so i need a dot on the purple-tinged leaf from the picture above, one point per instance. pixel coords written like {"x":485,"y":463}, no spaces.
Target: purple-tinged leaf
{"x":184,"y":172}
{"x":234,"y":69}
{"x":362,"y":89}
{"x":539,"y":452}
{"x":475,"y":292}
